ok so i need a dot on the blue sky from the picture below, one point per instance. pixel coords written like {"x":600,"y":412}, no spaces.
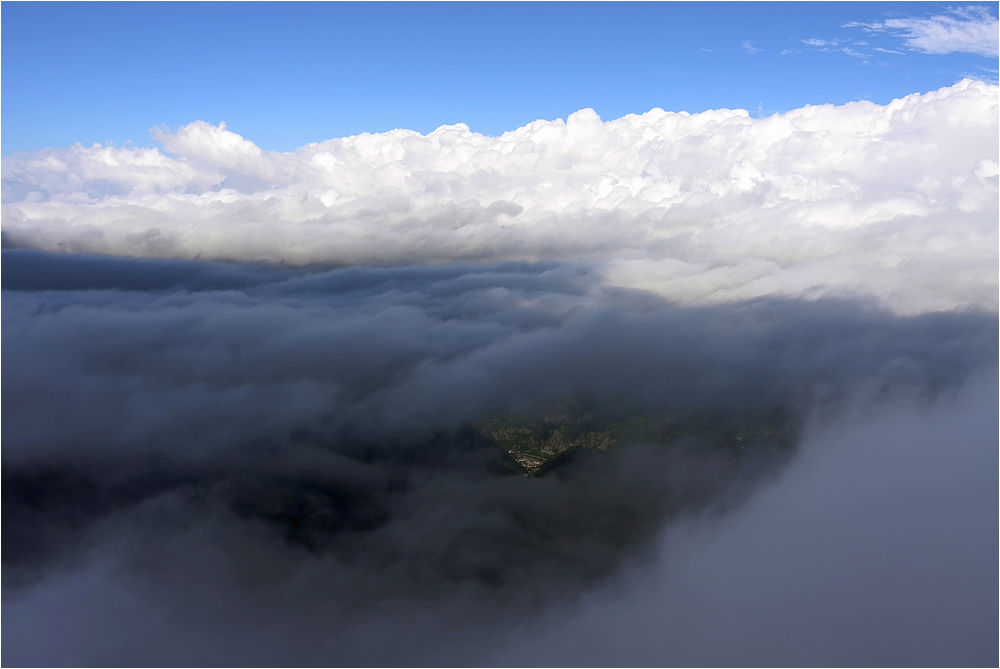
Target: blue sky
{"x":285,"y":74}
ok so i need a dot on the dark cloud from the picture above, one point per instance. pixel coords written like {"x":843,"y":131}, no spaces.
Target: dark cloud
{"x":24,"y":269}
{"x":877,"y":547}
{"x":236,"y":464}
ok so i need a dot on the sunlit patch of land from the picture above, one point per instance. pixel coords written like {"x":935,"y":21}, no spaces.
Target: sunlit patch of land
{"x":536,"y":441}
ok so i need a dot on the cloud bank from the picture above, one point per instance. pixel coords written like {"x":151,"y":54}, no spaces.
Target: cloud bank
{"x":251,"y":400}
{"x":895,"y":202}
{"x":217,"y":464}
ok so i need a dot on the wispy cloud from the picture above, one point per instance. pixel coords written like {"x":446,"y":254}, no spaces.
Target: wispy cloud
{"x":832,"y":45}
{"x":989,"y":74}
{"x":749,"y":47}
{"x":962,"y":30}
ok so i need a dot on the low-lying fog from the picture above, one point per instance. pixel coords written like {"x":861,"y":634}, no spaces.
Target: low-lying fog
{"x":219,"y":464}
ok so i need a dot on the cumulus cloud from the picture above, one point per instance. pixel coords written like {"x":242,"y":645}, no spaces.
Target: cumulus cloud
{"x":889,"y":201}
{"x":248,"y":396}
{"x":970,"y":29}
{"x":218,"y":463}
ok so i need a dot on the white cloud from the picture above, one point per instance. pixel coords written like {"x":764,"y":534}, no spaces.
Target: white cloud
{"x":896,"y":201}
{"x":749,"y":47}
{"x":823,"y":44}
{"x":961,"y":30}
{"x":826,"y":46}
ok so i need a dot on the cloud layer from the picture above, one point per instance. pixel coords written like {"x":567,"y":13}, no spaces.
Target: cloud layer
{"x":217,"y":464}
{"x":243,"y":391}
{"x":876,"y":548}
{"x":898,"y":202}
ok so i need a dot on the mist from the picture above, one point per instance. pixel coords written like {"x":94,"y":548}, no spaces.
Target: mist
{"x":211,"y":463}
{"x":671,"y":389}
{"x":876,"y":547}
